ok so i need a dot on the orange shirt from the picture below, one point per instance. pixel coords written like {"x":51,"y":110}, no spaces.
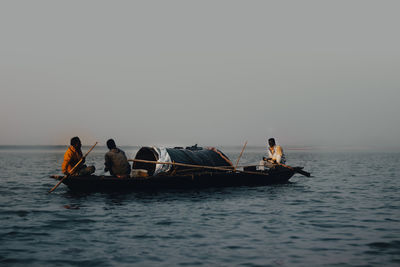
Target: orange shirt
{"x":71,"y":158}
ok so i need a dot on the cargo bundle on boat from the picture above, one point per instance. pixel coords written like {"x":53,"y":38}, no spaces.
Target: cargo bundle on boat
{"x":174,"y":160}
{"x":178,"y":168}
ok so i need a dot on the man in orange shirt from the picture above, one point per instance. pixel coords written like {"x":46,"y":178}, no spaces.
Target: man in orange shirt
{"x":72,"y":156}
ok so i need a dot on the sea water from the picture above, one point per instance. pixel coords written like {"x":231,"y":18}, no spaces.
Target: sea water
{"x":346,"y":214}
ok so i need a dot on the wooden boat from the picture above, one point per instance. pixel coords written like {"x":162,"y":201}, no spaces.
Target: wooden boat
{"x":178,"y":168}
{"x":194,"y":180}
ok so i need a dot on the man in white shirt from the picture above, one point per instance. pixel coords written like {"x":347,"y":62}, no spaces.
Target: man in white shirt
{"x":275,"y":152}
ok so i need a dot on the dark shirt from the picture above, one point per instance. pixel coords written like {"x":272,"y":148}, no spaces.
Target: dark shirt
{"x":117,"y":163}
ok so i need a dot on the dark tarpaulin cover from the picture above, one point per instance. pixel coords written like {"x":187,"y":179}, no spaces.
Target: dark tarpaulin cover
{"x":204,"y":157}
{"x":191,"y":155}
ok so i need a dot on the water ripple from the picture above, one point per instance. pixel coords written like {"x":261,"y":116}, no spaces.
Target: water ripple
{"x":347,"y":214}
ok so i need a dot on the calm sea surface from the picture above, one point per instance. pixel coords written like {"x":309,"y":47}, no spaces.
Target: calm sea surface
{"x":347,"y":214}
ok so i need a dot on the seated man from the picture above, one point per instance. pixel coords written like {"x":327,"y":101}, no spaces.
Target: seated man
{"x":116,"y":162}
{"x":72,"y":156}
{"x":275,"y":152}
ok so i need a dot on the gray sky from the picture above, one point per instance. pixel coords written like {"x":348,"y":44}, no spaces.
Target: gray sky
{"x":207,"y":72}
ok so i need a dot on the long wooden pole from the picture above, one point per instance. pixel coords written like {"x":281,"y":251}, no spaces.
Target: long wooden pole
{"x":181,"y":164}
{"x":227,"y":168}
{"x":73,"y":169}
{"x":237,"y":162}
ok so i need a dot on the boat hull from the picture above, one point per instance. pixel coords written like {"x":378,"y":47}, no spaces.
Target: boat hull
{"x":191,"y":181}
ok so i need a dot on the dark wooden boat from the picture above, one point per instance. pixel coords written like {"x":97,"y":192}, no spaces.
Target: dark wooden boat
{"x":204,"y":179}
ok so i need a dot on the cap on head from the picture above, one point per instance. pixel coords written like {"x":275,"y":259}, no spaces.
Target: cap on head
{"x":75,"y":141}
{"x":111,"y":144}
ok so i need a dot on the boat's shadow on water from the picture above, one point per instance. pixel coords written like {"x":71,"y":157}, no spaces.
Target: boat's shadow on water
{"x":213,"y":193}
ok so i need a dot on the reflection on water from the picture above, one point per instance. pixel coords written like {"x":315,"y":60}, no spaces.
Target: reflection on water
{"x":347,"y":213}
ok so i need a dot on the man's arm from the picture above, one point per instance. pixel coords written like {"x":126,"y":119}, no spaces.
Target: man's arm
{"x":67,"y":159}
{"x":279,"y":154}
{"x":107,"y":163}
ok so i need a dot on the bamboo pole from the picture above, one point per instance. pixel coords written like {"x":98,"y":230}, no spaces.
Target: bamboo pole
{"x":73,"y":169}
{"x":295,"y":169}
{"x":227,"y":168}
{"x":237,"y":162}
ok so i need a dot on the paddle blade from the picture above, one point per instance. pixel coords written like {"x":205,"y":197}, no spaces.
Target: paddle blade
{"x":300,"y":171}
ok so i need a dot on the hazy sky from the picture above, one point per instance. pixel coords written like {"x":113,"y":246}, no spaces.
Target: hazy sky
{"x":207,"y":72}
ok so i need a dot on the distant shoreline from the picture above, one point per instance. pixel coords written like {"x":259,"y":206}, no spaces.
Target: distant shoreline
{"x":222,"y":147}
{"x":56,"y":147}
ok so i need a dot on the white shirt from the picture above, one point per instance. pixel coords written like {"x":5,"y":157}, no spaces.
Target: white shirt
{"x":275,"y":155}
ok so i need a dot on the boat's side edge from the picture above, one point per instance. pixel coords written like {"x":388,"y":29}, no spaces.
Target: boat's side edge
{"x":199,"y":180}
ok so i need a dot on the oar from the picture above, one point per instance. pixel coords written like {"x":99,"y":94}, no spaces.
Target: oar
{"x":237,"y":162}
{"x":300,"y":171}
{"x":73,"y":169}
{"x":227,"y":168}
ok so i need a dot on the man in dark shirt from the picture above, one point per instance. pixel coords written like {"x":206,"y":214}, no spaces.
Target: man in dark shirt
{"x":116,"y":162}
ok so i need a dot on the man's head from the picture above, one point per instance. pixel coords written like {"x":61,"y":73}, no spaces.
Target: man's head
{"x":111,"y":144}
{"x":264,"y":158}
{"x":76,"y":142}
{"x":271,"y":142}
